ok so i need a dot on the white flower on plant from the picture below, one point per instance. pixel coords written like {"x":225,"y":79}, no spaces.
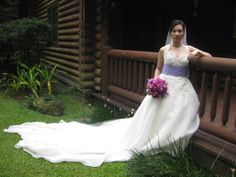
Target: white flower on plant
{"x":105,"y":105}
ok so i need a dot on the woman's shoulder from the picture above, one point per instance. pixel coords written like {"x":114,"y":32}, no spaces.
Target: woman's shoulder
{"x":163,"y":48}
{"x":190,"y":47}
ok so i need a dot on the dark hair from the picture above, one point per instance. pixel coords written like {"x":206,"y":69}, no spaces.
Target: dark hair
{"x":177,"y":22}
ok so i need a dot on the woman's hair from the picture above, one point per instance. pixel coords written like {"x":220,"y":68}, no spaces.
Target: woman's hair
{"x":177,"y":22}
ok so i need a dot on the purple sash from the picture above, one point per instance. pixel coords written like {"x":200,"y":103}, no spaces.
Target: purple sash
{"x":181,"y":71}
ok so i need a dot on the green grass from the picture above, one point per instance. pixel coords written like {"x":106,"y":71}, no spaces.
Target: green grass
{"x":172,"y":161}
{"x":17,"y":163}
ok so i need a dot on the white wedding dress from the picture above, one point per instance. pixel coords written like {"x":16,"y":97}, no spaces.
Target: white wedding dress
{"x":157,"y":122}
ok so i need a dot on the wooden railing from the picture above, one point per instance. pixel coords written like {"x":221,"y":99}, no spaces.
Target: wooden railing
{"x":125,"y":73}
{"x":215,"y":82}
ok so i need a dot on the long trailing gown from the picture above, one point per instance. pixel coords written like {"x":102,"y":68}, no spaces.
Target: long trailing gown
{"x":157,"y":122}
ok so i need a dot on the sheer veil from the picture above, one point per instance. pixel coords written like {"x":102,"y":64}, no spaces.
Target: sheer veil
{"x":169,"y":40}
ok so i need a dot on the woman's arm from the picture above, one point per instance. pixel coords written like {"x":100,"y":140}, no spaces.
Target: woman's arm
{"x":195,"y":53}
{"x":160,"y":63}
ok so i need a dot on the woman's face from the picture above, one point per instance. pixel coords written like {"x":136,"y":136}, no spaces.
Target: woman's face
{"x":177,"y":33}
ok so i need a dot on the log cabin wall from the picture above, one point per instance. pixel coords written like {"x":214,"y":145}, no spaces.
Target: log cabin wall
{"x":88,"y":40}
{"x":70,"y":50}
{"x":101,"y":39}
{"x":79,"y":54}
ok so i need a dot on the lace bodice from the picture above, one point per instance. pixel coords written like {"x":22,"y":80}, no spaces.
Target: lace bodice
{"x":171,"y":59}
{"x":175,"y":66}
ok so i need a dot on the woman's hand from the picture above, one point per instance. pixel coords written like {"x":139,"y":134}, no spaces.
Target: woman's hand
{"x":195,"y":54}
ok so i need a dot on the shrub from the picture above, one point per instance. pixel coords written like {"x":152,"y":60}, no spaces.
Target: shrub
{"x":24,"y":39}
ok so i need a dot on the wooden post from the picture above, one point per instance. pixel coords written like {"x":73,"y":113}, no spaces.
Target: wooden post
{"x":226,"y":100}
{"x":214,"y":96}
{"x":141,"y":78}
{"x":203,"y":94}
{"x":105,"y":70}
{"x":125,"y":74}
{"x":235,"y":122}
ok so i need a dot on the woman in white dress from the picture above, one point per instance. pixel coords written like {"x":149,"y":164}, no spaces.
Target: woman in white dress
{"x":157,"y":122}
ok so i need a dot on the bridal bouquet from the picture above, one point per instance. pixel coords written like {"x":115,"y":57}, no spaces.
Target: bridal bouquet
{"x":156,"y":87}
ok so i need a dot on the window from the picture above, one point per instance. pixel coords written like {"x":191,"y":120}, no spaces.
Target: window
{"x":53,"y":21}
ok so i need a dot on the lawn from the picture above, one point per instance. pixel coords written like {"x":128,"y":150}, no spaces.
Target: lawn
{"x":17,"y":163}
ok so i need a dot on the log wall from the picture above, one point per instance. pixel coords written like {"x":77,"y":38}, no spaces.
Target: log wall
{"x":101,"y":39}
{"x":72,"y":50}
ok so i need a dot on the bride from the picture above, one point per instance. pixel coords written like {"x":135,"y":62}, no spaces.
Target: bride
{"x":157,"y":122}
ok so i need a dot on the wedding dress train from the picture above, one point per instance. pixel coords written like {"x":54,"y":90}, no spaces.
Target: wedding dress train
{"x":156,"y":123}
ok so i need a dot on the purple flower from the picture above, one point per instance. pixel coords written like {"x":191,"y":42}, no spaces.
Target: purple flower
{"x":156,"y":87}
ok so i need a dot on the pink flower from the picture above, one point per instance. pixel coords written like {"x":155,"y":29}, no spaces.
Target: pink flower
{"x":156,"y":87}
